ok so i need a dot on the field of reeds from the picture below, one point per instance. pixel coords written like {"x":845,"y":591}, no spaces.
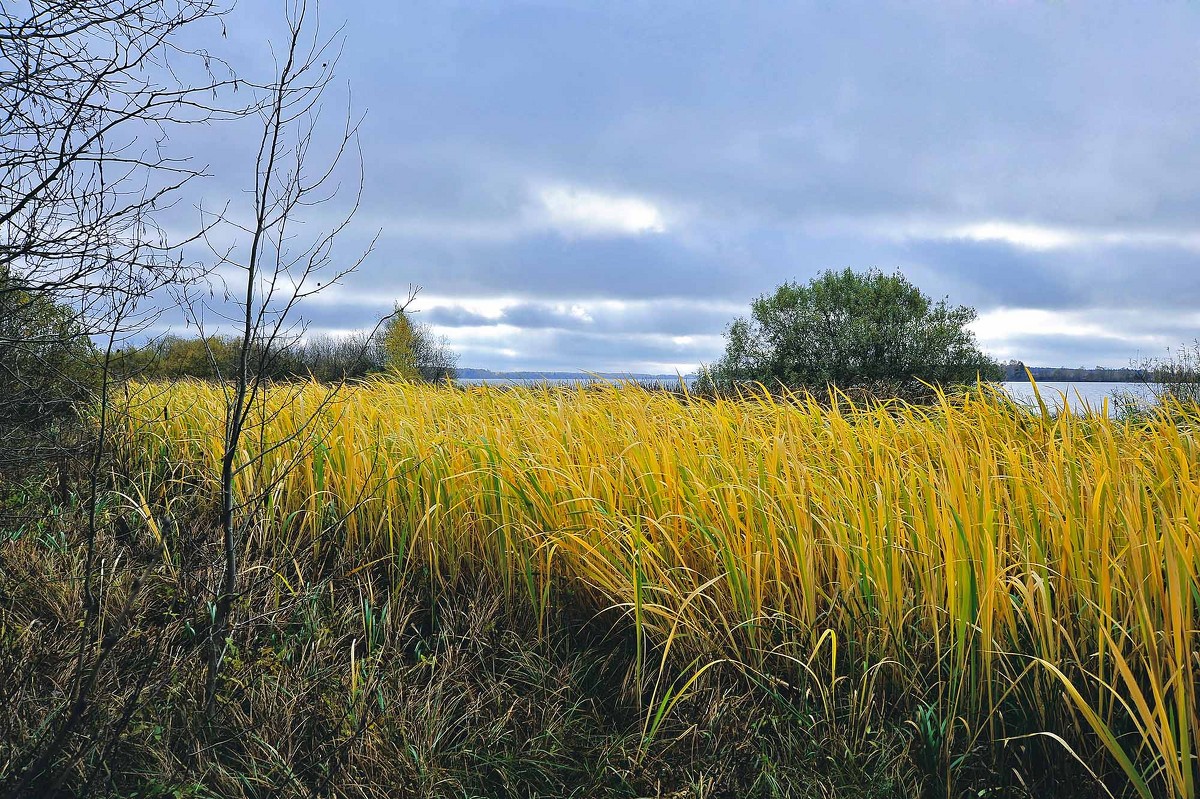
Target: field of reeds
{"x":989,"y":578}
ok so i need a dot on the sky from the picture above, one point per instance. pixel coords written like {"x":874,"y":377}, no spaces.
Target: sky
{"x":606,"y":185}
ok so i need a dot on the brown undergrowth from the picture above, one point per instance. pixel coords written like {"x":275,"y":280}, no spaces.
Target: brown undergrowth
{"x":342,"y":680}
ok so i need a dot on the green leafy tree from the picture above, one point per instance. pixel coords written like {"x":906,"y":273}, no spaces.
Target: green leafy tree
{"x":209,"y":358}
{"x":47,"y":372}
{"x":48,"y":363}
{"x":853,"y":330}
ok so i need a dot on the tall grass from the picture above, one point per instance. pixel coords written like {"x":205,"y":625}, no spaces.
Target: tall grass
{"x":1030,"y":577}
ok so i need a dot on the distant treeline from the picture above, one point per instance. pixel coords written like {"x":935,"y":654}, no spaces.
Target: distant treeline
{"x":400,"y":348}
{"x":1015,"y":371}
{"x":487,"y":374}
{"x":412,"y":350}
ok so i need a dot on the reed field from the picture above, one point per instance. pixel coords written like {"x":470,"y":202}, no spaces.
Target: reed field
{"x":991,"y":576}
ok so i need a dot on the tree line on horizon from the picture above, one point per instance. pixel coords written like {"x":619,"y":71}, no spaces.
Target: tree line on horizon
{"x":400,"y":347}
{"x":1015,"y":372}
{"x":57,"y":372}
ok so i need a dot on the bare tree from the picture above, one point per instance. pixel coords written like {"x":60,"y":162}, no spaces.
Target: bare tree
{"x":278,"y":267}
{"x":86,"y":169}
{"x":91,"y":93}
{"x":1170,"y":381}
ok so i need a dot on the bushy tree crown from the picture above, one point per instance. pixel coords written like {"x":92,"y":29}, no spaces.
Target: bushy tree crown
{"x":853,"y":329}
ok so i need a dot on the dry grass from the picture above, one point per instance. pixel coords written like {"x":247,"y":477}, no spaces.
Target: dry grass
{"x":341,"y":682}
{"x":1008,"y":581}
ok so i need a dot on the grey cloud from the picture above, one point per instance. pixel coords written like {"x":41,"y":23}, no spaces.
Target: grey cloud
{"x":989,"y":274}
{"x":573,"y":350}
{"x":456,"y":316}
{"x":1041,"y":112}
{"x":673,"y":318}
{"x":535,"y":315}
{"x":1076,"y":351}
{"x":548,"y":266}
{"x":759,"y":125}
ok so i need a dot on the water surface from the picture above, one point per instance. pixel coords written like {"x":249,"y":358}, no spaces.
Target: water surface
{"x":1077,"y":395}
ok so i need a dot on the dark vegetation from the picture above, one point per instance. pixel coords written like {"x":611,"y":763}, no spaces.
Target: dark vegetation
{"x":359,"y":680}
{"x":48,"y":368}
{"x":352,"y":681}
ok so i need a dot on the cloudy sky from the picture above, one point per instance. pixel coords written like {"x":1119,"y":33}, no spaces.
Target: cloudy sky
{"x":605,"y":185}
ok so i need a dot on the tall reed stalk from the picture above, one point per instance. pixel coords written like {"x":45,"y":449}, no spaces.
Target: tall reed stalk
{"x":1026,"y":573}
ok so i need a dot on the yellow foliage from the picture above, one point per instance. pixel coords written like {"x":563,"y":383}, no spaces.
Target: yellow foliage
{"x":399,"y":343}
{"x":990,"y":552}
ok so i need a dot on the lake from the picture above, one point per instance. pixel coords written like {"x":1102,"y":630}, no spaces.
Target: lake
{"x":1077,"y":394}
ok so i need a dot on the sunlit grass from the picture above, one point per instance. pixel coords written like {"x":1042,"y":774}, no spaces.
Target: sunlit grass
{"x":1024,"y":573}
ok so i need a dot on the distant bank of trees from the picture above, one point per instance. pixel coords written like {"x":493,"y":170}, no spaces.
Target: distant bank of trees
{"x":58,"y":365}
{"x":401,"y":348}
{"x":1015,"y":371}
